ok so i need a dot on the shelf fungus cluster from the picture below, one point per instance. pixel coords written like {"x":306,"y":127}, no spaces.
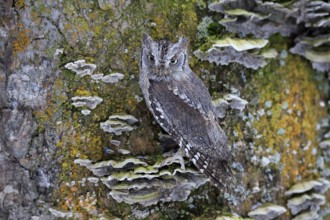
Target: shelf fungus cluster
{"x":111,"y":78}
{"x":314,"y":44}
{"x":81,"y":68}
{"x":133,"y":180}
{"x":86,"y":101}
{"x":308,"y":20}
{"x":260,"y":18}
{"x":315,"y":49}
{"x":307,"y":197}
{"x":235,"y":50}
{"x":119,"y":123}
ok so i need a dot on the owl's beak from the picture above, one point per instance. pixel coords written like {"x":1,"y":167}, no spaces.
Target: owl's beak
{"x":163,"y":71}
{"x":160,"y":67}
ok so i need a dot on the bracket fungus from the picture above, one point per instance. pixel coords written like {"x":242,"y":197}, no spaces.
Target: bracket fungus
{"x":305,"y":200}
{"x":105,"y":167}
{"x":314,"y":44}
{"x":228,"y":101}
{"x":313,"y":13}
{"x":315,"y":49}
{"x":85,"y":112}
{"x":235,"y":50}
{"x":81,"y":68}
{"x":319,"y":185}
{"x":300,"y":203}
{"x":86,"y":101}
{"x":269,"y":54}
{"x":134,"y":181}
{"x":241,"y":44}
{"x":267,"y":212}
{"x":235,"y":102}
{"x":262,"y":19}
{"x":221,"y":107}
{"x":312,"y":215}
{"x":111,"y":78}
{"x":117,"y":124}
{"x":325,"y":144}
{"x":229,"y":55}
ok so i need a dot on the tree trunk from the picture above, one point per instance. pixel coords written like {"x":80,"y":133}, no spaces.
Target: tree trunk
{"x":78,"y":142}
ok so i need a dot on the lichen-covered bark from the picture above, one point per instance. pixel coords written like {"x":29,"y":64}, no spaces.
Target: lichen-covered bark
{"x":77,"y":140}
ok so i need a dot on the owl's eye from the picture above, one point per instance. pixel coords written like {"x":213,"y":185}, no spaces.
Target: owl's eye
{"x":151,"y":57}
{"x":173,"y":61}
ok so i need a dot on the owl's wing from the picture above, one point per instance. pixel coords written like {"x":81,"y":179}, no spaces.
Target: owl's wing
{"x":201,"y":137}
{"x":192,"y":91}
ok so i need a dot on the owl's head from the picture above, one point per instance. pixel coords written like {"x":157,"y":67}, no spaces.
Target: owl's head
{"x":163,"y":58}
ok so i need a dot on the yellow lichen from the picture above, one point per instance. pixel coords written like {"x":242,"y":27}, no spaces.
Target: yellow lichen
{"x":21,"y":40}
{"x":291,"y":127}
{"x":82,"y":92}
{"x":19,"y":4}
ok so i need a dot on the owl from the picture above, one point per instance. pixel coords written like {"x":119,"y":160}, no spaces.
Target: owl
{"x":181,"y":104}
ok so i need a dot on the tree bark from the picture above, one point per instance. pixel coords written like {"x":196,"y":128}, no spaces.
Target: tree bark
{"x":76,"y":137}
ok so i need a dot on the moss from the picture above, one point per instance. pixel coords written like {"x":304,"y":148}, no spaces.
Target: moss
{"x":178,"y":15}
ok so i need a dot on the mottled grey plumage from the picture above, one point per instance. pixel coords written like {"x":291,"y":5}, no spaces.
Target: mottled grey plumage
{"x":181,"y":104}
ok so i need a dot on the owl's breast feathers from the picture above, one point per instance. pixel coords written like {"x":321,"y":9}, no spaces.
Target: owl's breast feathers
{"x":184,"y":109}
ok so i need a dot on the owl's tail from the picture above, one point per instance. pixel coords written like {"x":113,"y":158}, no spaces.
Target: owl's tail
{"x":216,"y":169}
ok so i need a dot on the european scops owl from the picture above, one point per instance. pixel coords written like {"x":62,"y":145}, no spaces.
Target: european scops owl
{"x":181,"y":104}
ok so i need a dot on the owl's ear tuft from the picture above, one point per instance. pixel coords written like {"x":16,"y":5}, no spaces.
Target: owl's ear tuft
{"x":183,"y":42}
{"x":146,"y":39}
